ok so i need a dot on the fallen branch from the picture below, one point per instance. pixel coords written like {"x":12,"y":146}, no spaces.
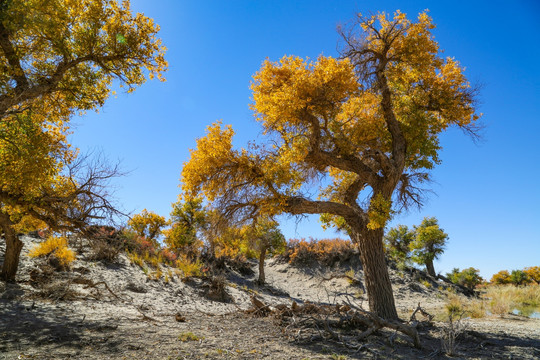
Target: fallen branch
{"x":91,"y":284}
{"x":421,"y":311}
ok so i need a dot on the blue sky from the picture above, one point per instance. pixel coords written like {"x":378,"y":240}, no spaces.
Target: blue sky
{"x":486,"y":195}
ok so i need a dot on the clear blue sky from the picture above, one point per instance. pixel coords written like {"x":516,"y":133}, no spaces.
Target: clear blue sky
{"x":487,"y":195}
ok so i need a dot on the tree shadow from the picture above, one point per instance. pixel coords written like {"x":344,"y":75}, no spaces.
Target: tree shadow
{"x":28,"y":326}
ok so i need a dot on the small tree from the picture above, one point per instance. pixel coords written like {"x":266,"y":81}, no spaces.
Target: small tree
{"x":188,"y":219}
{"x":533,"y":273}
{"x":501,"y":278}
{"x":467,"y":277}
{"x":519,"y":277}
{"x":428,"y":244}
{"x":265,"y":237}
{"x":397,"y":241}
{"x":148,"y":225}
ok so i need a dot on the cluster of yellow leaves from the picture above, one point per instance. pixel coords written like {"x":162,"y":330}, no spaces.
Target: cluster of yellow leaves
{"x":147,"y":224}
{"x":189,"y":267}
{"x":91,"y":32}
{"x":533,"y":273}
{"x":66,"y":54}
{"x":379,"y":212}
{"x":214,"y":152}
{"x":56,"y":246}
{"x":502,"y":277}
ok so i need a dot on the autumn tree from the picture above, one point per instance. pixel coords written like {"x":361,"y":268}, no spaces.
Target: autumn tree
{"x":60,"y":58}
{"x":533,"y":272}
{"x":147,"y":225}
{"x":519,"y":277}
{"x":501,"y":278}
{"x":188,"y":219}
{"x":428,"y":244}
{"x":264,"y":236}
{"x":397,"y":241}
{"x":351,"y":138}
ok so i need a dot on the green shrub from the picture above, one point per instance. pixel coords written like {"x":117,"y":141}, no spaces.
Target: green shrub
{"x":469,"y":278}
{"x":519,"y":277}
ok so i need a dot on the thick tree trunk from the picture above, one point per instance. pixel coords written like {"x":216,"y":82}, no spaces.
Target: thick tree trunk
{"x":378,"y":285}
{"x":430,"y":268}
{"x":13,"y":249}
{"x":262,"y":256}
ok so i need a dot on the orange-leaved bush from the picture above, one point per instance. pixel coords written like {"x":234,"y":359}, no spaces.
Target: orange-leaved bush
{"x":324,"y":251}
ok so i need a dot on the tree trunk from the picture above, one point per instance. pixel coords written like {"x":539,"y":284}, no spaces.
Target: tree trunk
{"x":430,"y":268}
{"x":378,"y":285}
{"x":13,"y":249}
{"x":262,"y":256}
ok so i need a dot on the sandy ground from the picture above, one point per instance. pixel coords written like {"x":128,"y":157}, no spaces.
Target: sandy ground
{"x":114,"y":311}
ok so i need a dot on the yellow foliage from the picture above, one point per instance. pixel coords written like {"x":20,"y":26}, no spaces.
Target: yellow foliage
{"x":56,"y":246}
{"x":502,"y":277}
{"x":533,"y":273}
{"x":189,"y":268}
{"x":147,"y":225}
{"x":379,"y":212}
{"x":60,"y":59}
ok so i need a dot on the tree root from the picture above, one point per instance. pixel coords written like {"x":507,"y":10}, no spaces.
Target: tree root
{"x":324,"y":317}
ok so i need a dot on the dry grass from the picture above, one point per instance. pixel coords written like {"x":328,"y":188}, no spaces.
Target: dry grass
{"x":326,"y":251}
{"x":504,"y":298}
{"x":498,"y":300}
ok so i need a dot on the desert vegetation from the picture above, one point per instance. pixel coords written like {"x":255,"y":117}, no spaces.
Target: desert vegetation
{"x":352,"y":138}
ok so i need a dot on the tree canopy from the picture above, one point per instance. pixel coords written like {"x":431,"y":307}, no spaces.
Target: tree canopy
{"x":366,"y":124}
{"x":59,"y":58}
{"x":429,"y":243}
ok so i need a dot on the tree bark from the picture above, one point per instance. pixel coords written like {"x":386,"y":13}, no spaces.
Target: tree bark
{"x":262,"y":256}
{"x":13,"y":249}
{"x":430,"y":268}
{"x":378,"y":285}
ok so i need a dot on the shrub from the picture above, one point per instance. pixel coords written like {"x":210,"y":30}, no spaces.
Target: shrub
{"x":105,"y":241}
{"x":325,"y":251}
{"x":452,"y":329}
{"x":168,"y":256}
{"x":189,"y":336}
{"x":501,"y":278}
{"x":56,"y":249}
{"x":519,"y":277}
{"x":189,"y":268}
{"x":137,"y":244}
{"x":396,"y":243}
{"x":469,"y":278}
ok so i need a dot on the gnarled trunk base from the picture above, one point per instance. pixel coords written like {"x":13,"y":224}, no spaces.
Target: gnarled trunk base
{"x":378,"y":285}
